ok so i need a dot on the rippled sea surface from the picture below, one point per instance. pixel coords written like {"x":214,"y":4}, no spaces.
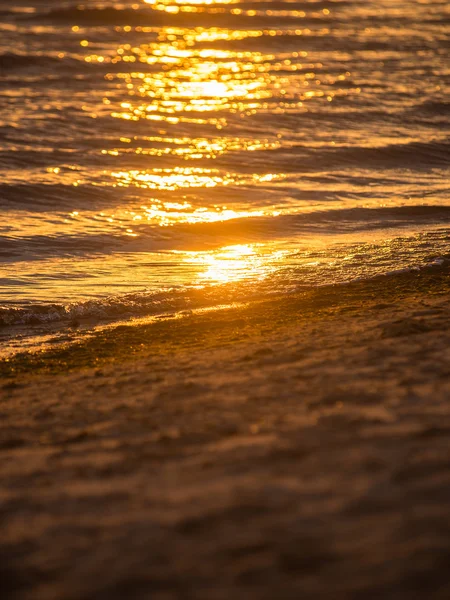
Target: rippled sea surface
{"x":167,"y":155}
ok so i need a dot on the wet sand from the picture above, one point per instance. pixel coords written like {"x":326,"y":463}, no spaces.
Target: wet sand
{"x":294,"y":448}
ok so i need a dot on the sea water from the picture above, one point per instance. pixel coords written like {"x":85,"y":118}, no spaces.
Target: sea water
{"x":158,"y":156}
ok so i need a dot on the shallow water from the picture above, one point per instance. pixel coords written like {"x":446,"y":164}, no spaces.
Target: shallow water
{"x":163,"y":156}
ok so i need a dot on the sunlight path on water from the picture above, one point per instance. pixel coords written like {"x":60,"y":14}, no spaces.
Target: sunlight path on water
{"x":156,"y":147}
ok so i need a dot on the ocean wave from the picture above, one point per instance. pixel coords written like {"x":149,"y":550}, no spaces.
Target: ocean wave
{"x":41,"y":198}
{"x":60,"y":246}
{"x":281,"y":13}
{"x":435,"y":107}
{"x":208,"y":236}
{"x":350,"y":102}
{"x":113,"y":307}
{"x":414,"y":155}
{"x":173,"y":300}
{"x":12,"y":61}
{"x":322,"y":222}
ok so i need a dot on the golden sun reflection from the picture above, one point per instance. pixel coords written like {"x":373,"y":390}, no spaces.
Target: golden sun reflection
{"x":220,"y":7}
{"x":166,"y":82}
{"x":175,"y":6}
{"x":231,"y":263}
{"x":192,"y":82}
{"x":190,"y":148}
{"x":176,"y":80}
{"x":186,"y":177}
{"x":170,"y":213}
{"x":202,"y":2}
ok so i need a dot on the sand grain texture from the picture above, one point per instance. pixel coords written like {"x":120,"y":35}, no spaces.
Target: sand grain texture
{"x":309,"y":460}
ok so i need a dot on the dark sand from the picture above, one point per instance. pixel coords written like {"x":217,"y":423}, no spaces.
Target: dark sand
{"x":297,"y":448}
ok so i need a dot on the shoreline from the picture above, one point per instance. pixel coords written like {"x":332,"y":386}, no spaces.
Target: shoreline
{"x":295,"y":447}
{"x":140,"y":336}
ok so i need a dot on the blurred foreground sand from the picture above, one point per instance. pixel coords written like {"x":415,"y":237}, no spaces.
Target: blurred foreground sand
{"x":286,"y":451}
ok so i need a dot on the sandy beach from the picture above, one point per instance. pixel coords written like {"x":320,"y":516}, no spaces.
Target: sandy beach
{"x":224,"y":300}
{"x":293,"y":448}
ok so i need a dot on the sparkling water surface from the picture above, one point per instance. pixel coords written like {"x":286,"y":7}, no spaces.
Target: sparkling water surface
{"x":158,"y":156}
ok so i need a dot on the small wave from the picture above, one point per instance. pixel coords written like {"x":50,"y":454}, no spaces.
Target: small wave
{"x":209,"y":236}
{"x":438,"y":108}
{"x":111,"y":16}
{"x":57,"y":197}
{"x":114,"y":307}
{"x":219,"y":15}
{"x":180,"y":300}
{"x":430,"y":114}
{"x":351,"y":220}
{"x":414,"y":155}
{"x":12,"y":61}
{"x":57,"y":246}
